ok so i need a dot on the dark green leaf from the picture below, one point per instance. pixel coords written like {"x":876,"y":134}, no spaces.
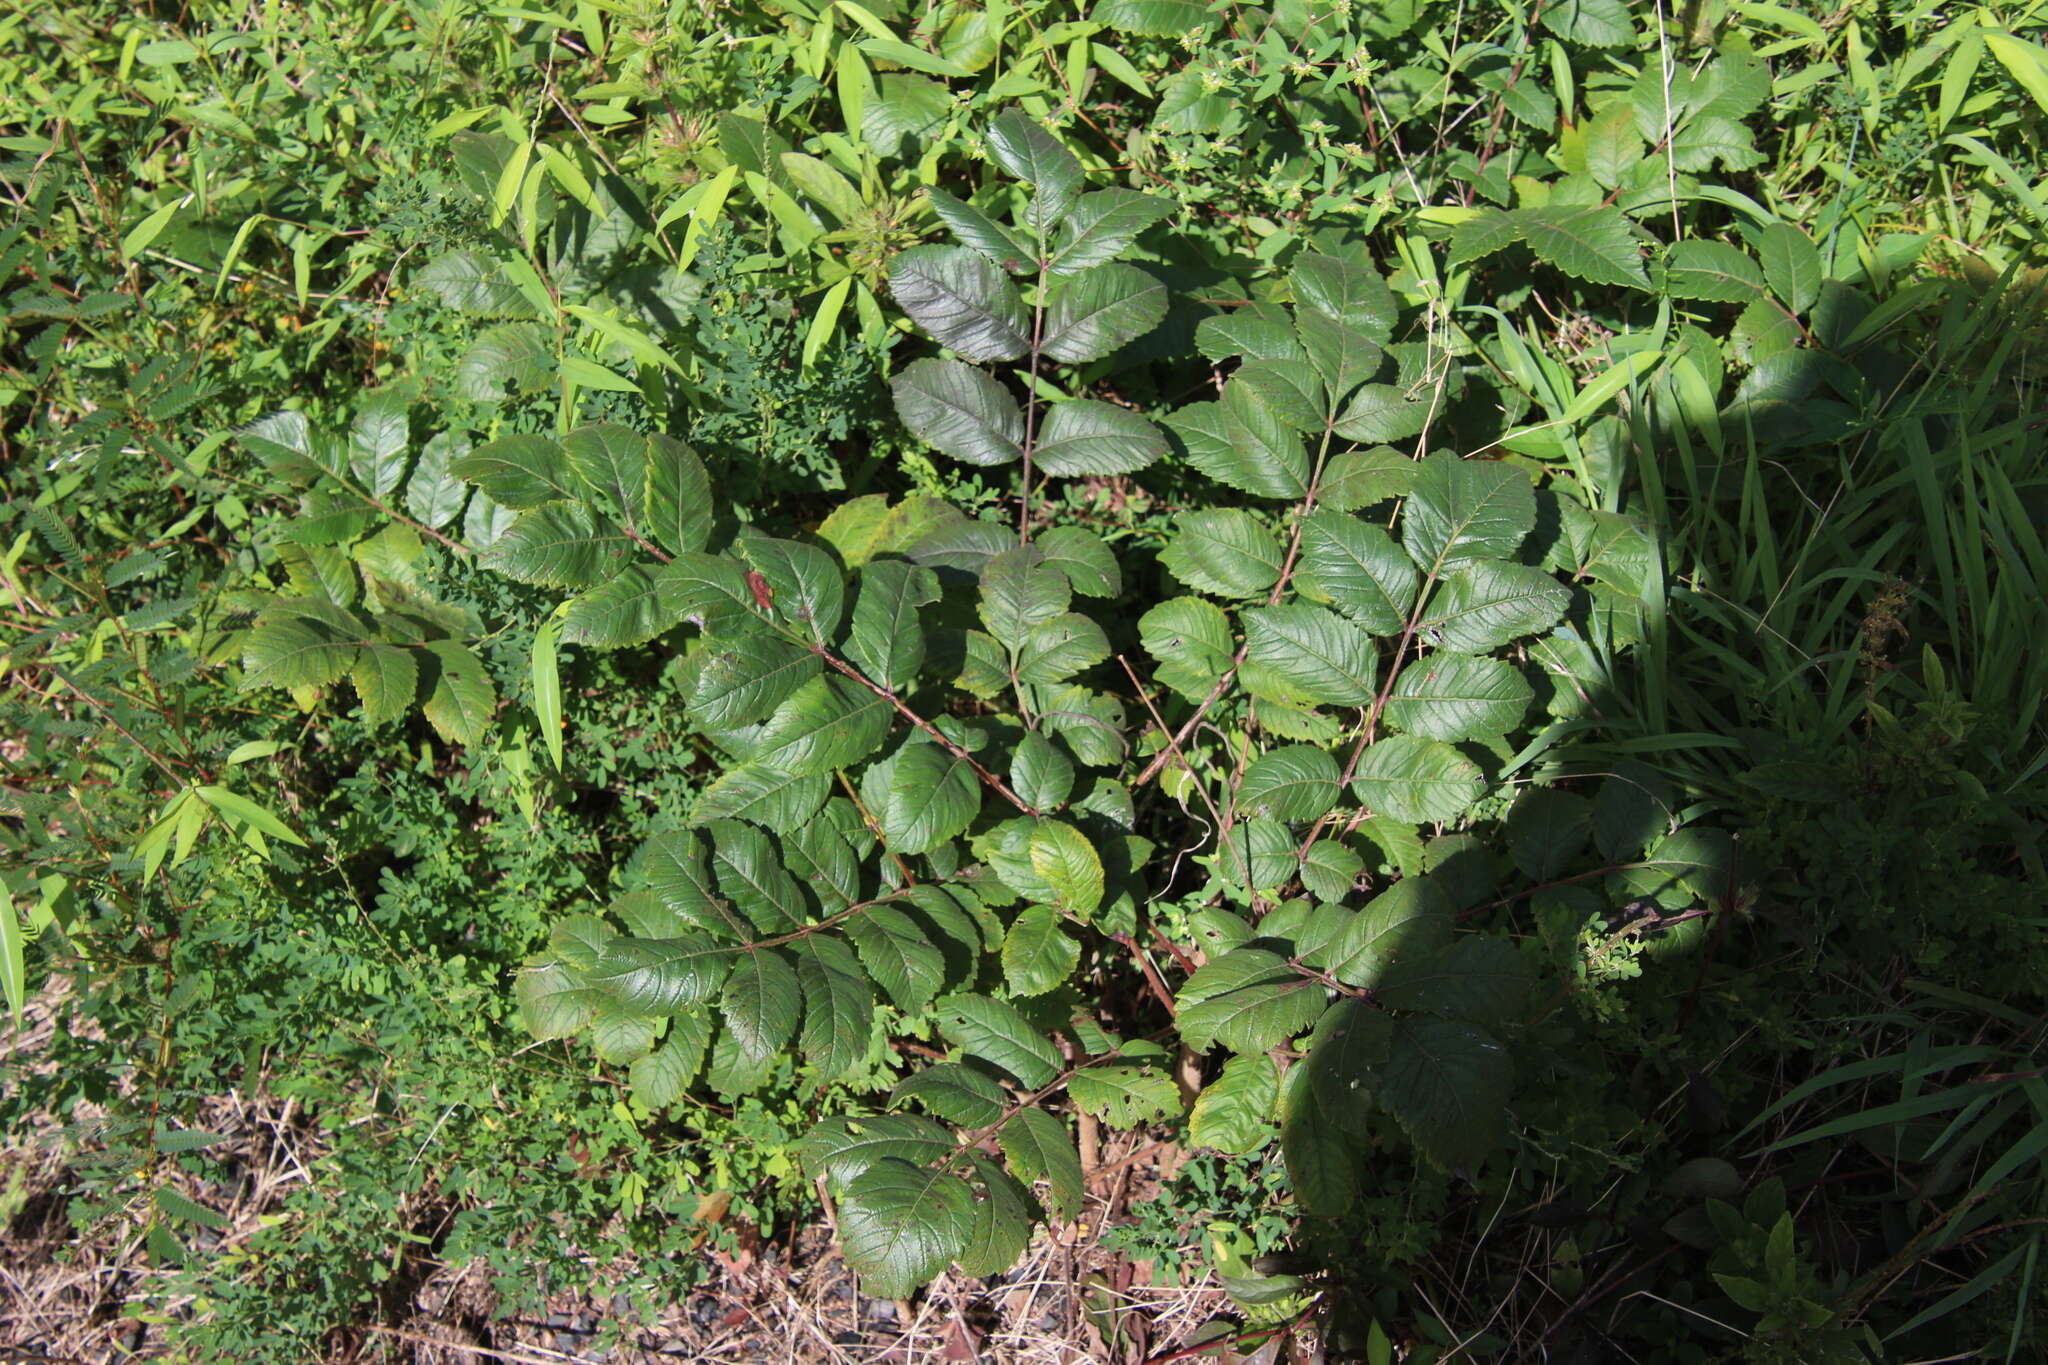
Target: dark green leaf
{"x":1039,"y":1148}
{"x":614,"y":461}
{"x":933,"y":796}
{"x":1102,"y":225}
{"x":1084,"y":436}
{"x":887,"y":641}
{"x":1191,"y":640}
{"x":672,"y":865}
{"x":1416,"y":780}
{"x":958,"y":1094}
{"x":434,"y":494}
{"x":1256,"y":1017}
{"x":1234,"y":1114}
{"x":1487,"y":604}
{"x":1383,"y":412}
{"x":1447,"y":1084}
{"x":380,"y":441}
{"x":510,"y":359}
{"x":1342,"y":357}
{"x":1270,"y":462}
{"x":1358,"y":568}
{"x":679,"y":506}
{"x":1351,"y":1044}
{"x":1018,"y":591}
{"x":1594,"y":23}
{"x":1224,"y":551}
{"x":1455,"y":697}
{"x":841,"y":1148}
{"x":1410,"y":918}
{"x":554,"y":1002}
{"x":386,"y":679}
{"x":1002,"y":1222}
{"x":772,"y":799}
{"x":976,"y":229}
{"x":1124,"y":1095}
{"x":709,"y":590}
{"x":661,"y":1077}
{"x":1089,"y":565}
{"x":1092,"y":313}
{"x":1466,"y":509}
{"x":960,"y":299}
{"x":1591,"y":243}
{"x":829,"y":722}
{"x":752,"y":878}
{"x":1248,"y":332}
{"x":1291,"y":783}
{"x":1359,"y":478}
{"x":1027,"y":151}
{"x":1055,"y":650}
{"x":1346,"y":292}
{"x":1038,"y":956}
{"x":1546,"y":830}
{"x":898,"y":955}
{"x":626,"y":610}
{"x":460,"y":700}
{"x":1714,"y":271}
{"x":472,"y":283}
{"x":1153,"y":18}
{"x":1792,"y":266}
{"x":804,"y":583}
{"x":1265,"y":392}
{"x":1330,"y":870}
{"x":661,"y":976}
{"x":994,"y":1031}
{"x":1303,"y":655}
{"x":1040,"y":772}
{"x":761,"y":1003}
{"x":306,"y":643}
{"x":521,"y":472}
{"x":1322,"y":1164}
{"x":1068,"y":864}
{"x":559,"y":545}
{"x":743,"y":680}
{"x":900,"y":1225}
{"x":839,"y":1005}
{"x":959,"y":411}
{"x":1478,"y":979}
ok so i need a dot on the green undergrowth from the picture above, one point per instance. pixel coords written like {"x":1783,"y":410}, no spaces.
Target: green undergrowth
{"x":641,"y":615}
